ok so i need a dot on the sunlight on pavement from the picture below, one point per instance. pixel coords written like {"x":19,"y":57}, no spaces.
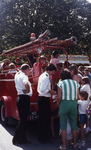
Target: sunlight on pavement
{"x":89,"y":1}
{"x":6,"y":140}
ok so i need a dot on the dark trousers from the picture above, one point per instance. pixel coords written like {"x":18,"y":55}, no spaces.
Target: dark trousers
{"x":23,"y":105}
{"x":44,"y":126}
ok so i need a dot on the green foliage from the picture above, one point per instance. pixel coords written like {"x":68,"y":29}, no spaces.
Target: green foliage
{"x":19,"y":18}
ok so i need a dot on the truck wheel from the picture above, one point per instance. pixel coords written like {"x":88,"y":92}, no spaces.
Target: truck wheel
{"x":4,"y":120}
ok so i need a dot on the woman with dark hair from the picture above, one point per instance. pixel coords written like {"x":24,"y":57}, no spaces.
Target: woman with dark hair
{"x":74,"y":72}
{"x":86,"y":87}
{"x":68,"y":92}
{"x":45,"y":92}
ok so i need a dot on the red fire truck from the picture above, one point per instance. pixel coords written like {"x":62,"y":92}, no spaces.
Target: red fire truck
{"x":8,"y":92}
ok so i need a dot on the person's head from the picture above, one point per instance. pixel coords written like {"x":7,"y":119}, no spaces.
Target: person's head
{"x":6,"y":63}
{"x":65,"y":74}
{"x":83,"y":95}
{"x":25,"y":68}
{"x":80,"y":68}
{"x":42,"y":59}
{"x":86,"y":71}
{"x":64,"y":64}
{"x":55,"y":54}
{"x":50,"y":69}
{"x":11,"y":65}
{"x":73,"y":69}
{"x":85,"y":80}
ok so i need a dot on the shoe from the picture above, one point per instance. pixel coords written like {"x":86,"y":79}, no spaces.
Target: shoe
{"x":61,"y":148}
{"x":14,"y":141}
{"x":82,"y":144}
{"x":86,"y":130}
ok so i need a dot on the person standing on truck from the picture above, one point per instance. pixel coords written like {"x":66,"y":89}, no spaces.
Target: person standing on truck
{"x":55,"y":61}
{"x":12,"y":68}
{"x":24,"y":91}
{"x":37,"y":68}
{"x":45,"y":92}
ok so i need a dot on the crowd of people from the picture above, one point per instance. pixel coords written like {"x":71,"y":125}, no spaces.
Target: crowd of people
{"x":73,"y":100}
{"x":74,"y":103}
{"x":71,"y":95}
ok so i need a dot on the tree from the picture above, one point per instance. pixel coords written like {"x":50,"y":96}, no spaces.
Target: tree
{"x":64,"y":19}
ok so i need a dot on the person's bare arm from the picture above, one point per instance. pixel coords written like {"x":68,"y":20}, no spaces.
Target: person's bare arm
{"x":52,"y":92}
{"x":77,"y":94}
{"x":27,"y":90}
{"x":59,"y":95}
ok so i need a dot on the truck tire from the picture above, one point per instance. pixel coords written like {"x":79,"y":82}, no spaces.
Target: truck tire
{"x":4,"y":120}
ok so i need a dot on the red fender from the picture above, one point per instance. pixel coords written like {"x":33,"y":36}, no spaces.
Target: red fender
{"x":8,"y":105}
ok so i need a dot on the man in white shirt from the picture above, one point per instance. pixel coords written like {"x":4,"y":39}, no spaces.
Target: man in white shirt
{"x":24,"y":91}
{"x":45,"y":92}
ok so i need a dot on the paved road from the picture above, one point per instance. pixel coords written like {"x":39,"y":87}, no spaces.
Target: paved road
{"x":6,"y":134}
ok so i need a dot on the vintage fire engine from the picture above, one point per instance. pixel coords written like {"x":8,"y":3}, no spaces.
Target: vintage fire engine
{"x":8,"y":92}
